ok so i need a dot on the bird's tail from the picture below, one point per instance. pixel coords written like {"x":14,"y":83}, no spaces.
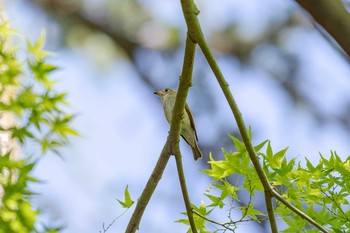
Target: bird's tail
{"x":196,"y":152}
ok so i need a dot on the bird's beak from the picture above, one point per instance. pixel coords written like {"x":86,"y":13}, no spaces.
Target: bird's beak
{"x":156,"y":93}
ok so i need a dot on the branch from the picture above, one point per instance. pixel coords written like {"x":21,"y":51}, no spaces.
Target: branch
{"x":333,"y":17}
{"x":147,"y":192}
{"x":215,"y":222}
{"x":185,"y":83}
{"x":171,"y":146}
{"x":297,"y":211}
{"x":270,"y":213}
{"x":190,"y":13}
{"x":185,"y":195}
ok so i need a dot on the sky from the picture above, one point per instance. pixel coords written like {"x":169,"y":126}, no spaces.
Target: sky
{"x":123,"y":128}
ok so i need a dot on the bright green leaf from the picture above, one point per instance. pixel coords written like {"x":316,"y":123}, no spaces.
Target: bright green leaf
{"x":240,"y":147}
{"x":36,"y":49}
{"x":128,"y":202}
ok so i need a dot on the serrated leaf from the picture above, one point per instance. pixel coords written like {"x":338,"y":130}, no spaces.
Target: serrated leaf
{"x":258,"y":147}
{"x":240,"y":147}
{"x":280,"y":154}
{"x":251,"y":212}
{"x":216,"y":201}
{"x":276,"y":160}
{"x":309,"y":165}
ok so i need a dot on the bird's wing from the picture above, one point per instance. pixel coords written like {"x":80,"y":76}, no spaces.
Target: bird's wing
{"x":191,"y":120}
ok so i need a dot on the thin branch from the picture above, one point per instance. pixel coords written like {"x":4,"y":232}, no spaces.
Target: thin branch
{"x":147,"y":192}
{"x":105,"y":229}
{"x":331,"y":197}
{"x":185,"y":195}
{"x":186,"y":75}
{"x":297,"y":211}
{"x":215,"y":222}
{"x":270,"y":212}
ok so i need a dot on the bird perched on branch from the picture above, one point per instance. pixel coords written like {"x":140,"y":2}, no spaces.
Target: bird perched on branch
{"x":187,"y":128}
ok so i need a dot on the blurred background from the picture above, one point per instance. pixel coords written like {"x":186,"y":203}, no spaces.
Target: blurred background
{"x":290,"y":80}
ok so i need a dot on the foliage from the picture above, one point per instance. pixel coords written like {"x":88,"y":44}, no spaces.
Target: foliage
{"x":28,"y":98}
{"x":322,"y":191}
{"x":128,"y":202}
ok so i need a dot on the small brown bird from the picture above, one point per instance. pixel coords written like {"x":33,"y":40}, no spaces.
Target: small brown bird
{"x":188,"y":129}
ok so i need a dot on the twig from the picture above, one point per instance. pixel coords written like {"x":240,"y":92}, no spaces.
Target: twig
{"x":187,"y":201}
{"x":103,"y":224}
{"x":213,"y":221}
{"x":297,"y":211}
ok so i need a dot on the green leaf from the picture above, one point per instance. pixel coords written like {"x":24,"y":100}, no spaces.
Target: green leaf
{"x":280,"y":154}
{"x":227,"y":189}
{"x":240,"y":147}
{"x":250,"y":132}
{"x":276,"y":160}
{"x":199,"y":220}
{"x":39,"y":119}
{"x":21,"y":133}
{"x":309,"y":165}
{"x":216,"y":201}
{"x":219,"y":169}
{"x":286,"y":167}
{"x":251,"y":212}
{"x":128,"y":202}
{"x":41,"y":71}
{"x":269,"y":152}
{"x":27,"y":98}
{"x":36,"y":49}
{"x":48,"y":143}
{"x":61,"y":126}
{"x":258,"y":147}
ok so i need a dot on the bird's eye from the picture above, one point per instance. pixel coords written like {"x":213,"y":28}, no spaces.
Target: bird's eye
{"x":167,"y":89}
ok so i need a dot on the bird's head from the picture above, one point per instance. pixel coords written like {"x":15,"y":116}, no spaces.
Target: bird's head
{"x":166,"y":92}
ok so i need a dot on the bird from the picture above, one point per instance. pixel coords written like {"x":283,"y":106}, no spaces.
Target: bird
{"x":187,"y":127}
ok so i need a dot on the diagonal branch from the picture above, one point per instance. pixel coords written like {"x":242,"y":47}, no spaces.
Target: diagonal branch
{"x":147,"y":192}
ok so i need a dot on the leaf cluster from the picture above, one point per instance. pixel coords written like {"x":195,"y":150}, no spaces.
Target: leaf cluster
{"x":31,"y":113}
{"x":37,"y":107}
{"x":321,"y":191}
